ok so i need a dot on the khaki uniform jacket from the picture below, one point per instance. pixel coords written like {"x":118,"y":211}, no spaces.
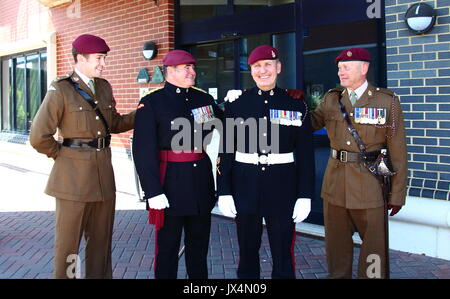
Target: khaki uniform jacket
{"x":351,"y":185}
{"x":80,"y":174}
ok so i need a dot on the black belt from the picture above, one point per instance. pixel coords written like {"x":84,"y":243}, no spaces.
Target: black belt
{"x":98,"y":143}
{"x":345,"y":156}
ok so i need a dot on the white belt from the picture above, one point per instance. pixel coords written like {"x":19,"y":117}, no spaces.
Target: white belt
{"x":268,"y":159}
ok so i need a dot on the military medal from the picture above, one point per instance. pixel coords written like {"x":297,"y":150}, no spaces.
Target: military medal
{"x":203,"y":114}
{"x":286,"y":117}
{"x":373,"y":116}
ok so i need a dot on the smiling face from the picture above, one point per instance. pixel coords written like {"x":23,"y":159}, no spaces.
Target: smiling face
{"x":352,"y":74}
{"x":182,"y":75}
{"x":91,"y":65}
{"x":265,"y":73}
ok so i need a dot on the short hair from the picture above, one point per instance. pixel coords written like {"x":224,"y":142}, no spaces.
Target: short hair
{"x":76,"y":52}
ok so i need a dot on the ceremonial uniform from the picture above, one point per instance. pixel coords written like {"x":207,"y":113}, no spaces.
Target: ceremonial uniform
{"x":82,"y":178}
{"x":266,"y":181}
{"x":352,"y":195}
{"x":187,"y":182}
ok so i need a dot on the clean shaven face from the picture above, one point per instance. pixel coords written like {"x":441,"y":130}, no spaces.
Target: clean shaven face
{"x":265,"y":73}
{"x":182,"y":75}
{"x":352,"y":74}
{"x":92,"y":65}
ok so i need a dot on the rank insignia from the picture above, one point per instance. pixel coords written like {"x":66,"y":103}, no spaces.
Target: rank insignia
{"x":141,"y":105}
{"x":349,"y":54}
{"x":286,"y":117}
{"x":203,"y":114}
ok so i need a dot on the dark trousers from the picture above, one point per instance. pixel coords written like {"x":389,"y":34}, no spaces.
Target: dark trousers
{"x":196,"y":241}
{"x":281,"y":232}
{"x":340,"y":223}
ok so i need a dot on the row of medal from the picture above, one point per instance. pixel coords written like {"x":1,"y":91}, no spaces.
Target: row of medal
{"x":374,"y":116}
{"x":203,"y":114}
{"x":286,"y":117}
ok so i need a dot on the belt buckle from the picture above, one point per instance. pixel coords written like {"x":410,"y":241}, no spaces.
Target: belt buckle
{"x":101,"y":142}
{"x":262,"y":159}
{"x":343,"y":156}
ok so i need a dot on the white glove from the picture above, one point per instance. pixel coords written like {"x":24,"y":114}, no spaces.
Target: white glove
{"x":301,"y":209}
{"x":232,"y":95}
{"x":226,"y":206}
{"x":158,"y":202}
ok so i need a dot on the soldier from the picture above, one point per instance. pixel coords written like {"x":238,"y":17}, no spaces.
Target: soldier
{"x":176,"y":176}
{"x":276,"y":181}
{"x":352,"y":195}
{"x":82,"y":107}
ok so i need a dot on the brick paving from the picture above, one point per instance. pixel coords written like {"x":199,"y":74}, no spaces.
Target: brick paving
{"x":26,"y":250}
{"x":27,"y":231}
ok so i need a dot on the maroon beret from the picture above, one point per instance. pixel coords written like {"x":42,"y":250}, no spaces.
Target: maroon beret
{"x":354,"y":54}
{"x":176,"y":57}
{"x":262,"y":53}
{"x":88,"y":44}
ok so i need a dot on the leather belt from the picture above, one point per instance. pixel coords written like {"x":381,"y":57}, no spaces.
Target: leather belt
{"x":98,"y":143}
{"x":268,"y":159}
{"x":345,"y":156}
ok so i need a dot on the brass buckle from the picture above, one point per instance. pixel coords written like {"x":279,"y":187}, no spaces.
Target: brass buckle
{"x":101,"y":142}
{"x":343,"y":156}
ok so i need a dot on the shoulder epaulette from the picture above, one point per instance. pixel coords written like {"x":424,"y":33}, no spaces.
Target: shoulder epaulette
{"x":385,"y":91}
{"x":67,"y":76}
{"x":336,"y":89}
{"x":152,"y":91}
{"x":199,"y":89}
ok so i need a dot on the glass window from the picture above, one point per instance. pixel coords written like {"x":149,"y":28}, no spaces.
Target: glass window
{"x":34,"y":86}
{"x":285,"y":43}
{"x":244,"y":5}
{"x":215,"y":67}
{"x":21,"y":117}
{"x":24,"y":84}
{"x":321,"y":46}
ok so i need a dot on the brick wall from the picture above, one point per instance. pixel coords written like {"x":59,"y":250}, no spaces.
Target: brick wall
{"x":418,"y":70}
{"x":21,"y":20}
{"x":125,"y":25}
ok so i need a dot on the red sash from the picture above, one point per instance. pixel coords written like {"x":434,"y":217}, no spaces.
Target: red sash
{"x":156,"y":217}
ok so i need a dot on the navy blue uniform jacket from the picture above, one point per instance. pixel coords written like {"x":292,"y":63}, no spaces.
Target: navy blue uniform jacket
{"x":189,"y":186}
{"x":268,"y":189}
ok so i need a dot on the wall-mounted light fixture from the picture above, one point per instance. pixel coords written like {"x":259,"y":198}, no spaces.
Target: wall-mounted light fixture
{"x":149,"y":50}
{"x":420,"y":18}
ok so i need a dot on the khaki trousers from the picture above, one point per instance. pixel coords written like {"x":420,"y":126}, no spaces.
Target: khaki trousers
{"x":94,"y":220}
{"x":340,"y":224}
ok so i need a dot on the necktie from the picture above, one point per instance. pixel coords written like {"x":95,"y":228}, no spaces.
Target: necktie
{"x":91,"y":85}
{"x":353,"y":97}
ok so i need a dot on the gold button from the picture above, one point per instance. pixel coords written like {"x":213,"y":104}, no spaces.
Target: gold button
{"x":263,"y":168}
{"x":99,"y":133}
{"x":97,"y":118}
{"x":195,"y":165}
{"x":348,"y":142}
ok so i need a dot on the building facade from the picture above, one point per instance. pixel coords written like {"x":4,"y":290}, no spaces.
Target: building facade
{"x":35,"y":47}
